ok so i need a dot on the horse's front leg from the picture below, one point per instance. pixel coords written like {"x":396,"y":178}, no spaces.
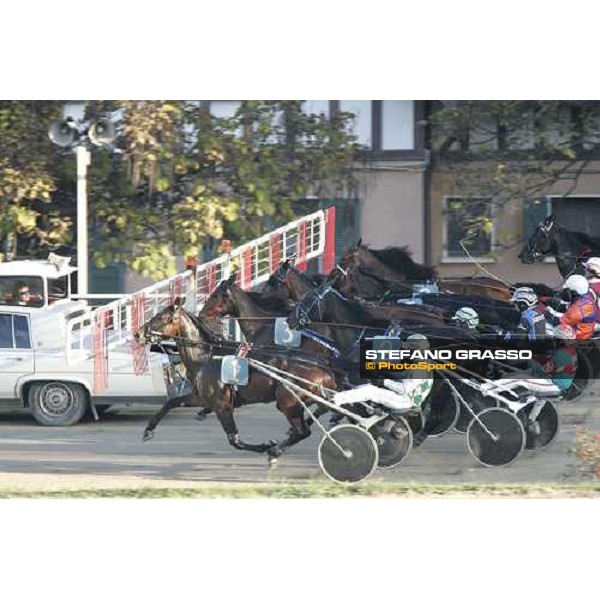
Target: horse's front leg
{"x":288,"y":404}
{"x":159,"y":416}
{"x":224,"y":412}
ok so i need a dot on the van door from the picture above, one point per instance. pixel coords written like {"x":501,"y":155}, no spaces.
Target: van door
{"x":16,"y":355}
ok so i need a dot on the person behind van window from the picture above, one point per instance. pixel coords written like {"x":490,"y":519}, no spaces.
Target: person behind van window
{"x":22,"y":295}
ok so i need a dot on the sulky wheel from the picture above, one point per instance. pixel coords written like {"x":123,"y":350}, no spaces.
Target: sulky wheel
{"x":394,"y":439}
{"x":542,"y":428}
{"x":443,"y":416}
{"x":477,"y":402}
{"x":496,"y":437}
{"x":348,"y":454}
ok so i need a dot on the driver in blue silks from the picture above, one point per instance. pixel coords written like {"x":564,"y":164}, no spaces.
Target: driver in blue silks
{"x":532,"y":325}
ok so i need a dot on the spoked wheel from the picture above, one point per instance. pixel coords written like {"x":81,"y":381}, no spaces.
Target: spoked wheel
{"x":496,"y":437}
{"x":394,"y":439}
{"x":542,"y":428}
{"x":443,"y":415}
{"x":348,"y":454}
{"x":478,"y":402}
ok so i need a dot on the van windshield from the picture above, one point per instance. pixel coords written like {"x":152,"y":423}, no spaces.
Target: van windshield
{"x":22,"y":291}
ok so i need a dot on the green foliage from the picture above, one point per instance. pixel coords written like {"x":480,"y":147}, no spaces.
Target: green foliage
{"x":182,"y":180}
{"x":509,"y":150}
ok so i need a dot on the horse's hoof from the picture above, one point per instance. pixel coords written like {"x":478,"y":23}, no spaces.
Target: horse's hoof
{"x":272,"y":462}
{"x":148,"y":435}
{"x":200,"y":416}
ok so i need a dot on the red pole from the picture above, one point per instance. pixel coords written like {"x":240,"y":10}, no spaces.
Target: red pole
{"x":275,"y":252}
{"x":246,"y":268}
{"x":301,"y":260}
{"x":329,"y":252}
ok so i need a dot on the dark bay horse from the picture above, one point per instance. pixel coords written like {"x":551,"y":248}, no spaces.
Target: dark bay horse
{"x":570,"y":248}
{"x":199,"y":351}
{"x":372,"y":273}
{"x":255,"y":312}
{"x":298,"y":285}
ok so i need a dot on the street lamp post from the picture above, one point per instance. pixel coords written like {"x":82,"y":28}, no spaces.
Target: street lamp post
{"x":83,"y":162}
{"x":69,"y":134}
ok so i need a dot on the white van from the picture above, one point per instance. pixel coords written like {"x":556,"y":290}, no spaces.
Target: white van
{"x":35,"y":307}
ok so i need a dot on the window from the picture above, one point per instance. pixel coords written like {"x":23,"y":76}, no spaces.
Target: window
{"x":316,"y":107}
{"x":22,"y":291}
{"x":397,"y":125}
{"x":14,"y":332}
{"x":21,"y":329}
{"x":468,"y":220}
{"x":362,"y":127}
{"x":578,"y":213}
{"x":6,"y":333}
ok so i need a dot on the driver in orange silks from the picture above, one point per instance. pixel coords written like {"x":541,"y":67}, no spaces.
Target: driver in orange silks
{"x":581,"y":313}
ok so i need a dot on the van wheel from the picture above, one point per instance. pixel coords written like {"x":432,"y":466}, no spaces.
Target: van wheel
{"x":55,"y":403}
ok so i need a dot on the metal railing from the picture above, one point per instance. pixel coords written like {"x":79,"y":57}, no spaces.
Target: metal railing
{"x":253,"y":262}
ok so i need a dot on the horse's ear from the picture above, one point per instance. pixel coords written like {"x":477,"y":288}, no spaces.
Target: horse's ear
{"x":551,"y":218}
{"x":178,"y":302}
{"x":359,"y":243}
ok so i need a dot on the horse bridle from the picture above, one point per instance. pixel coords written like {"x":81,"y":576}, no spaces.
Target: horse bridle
{"x":302,"y":314}
{"x":534,"y":250}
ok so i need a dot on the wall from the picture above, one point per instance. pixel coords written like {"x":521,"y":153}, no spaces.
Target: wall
{"x":508,"y":224}
{"x":391,"y":205}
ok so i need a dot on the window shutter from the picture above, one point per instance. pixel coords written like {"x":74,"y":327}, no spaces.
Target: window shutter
{"x":534,"y":212}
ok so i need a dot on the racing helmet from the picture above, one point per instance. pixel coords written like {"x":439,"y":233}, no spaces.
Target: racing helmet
{"x":564,"y":332}
{"x":592,"y":266}
{"x":577,"y":284}
{"x":416,"y":341}
{"x":524,"y":297}
{"x":467,"y":317}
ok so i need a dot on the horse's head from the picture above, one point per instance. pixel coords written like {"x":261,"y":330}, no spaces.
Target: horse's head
{"x":278,"y":278}
{"x":165,"y":324}
{"x":309,"y":306}
{"x":220,"y":302}
{"x":539,"y":244}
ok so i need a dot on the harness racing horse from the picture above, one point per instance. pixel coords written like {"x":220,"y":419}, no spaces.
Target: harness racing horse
{"x":198,"y":350}
{"x":373,"y":273}
{"x":570,"y":248}
{"x":255,"y":313}
{"x":298,"y":285}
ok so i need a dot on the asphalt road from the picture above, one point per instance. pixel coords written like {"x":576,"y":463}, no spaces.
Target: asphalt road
{"x":186,"y":452}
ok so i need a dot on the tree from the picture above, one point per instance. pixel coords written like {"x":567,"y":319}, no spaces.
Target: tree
{"x":187,"y":178}
{"x":31,"y":214}
{"x":512,"y":150}
{"x":180,"y":179}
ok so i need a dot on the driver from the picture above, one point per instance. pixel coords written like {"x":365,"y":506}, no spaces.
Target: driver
{"x":550,"y":375}
{"x":532,"y":324}
{"x":581,"y":313}
{"x":403,"y":394}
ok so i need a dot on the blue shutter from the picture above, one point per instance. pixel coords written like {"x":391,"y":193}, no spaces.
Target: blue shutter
{"x":534,"y":212}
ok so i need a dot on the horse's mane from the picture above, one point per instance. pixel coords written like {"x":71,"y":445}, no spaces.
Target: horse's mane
{"x":400,"y":258}
{"x":269,"y":302}
{"x":582,"y":237}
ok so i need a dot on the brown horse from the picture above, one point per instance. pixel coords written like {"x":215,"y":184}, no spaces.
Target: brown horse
{"x":373,"y":273}
{"x":199,"y":353}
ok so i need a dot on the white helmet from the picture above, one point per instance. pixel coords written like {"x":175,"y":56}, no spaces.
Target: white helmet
{"x":578,"y":284}
{"x":593,"y":266}
{"x":526,"y":296}
{"x":467,"y":316}
{"x":564,"y":332}
{"x":416,"y":341}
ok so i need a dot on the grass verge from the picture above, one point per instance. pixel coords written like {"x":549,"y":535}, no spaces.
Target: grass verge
{"x":325,"y":490}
